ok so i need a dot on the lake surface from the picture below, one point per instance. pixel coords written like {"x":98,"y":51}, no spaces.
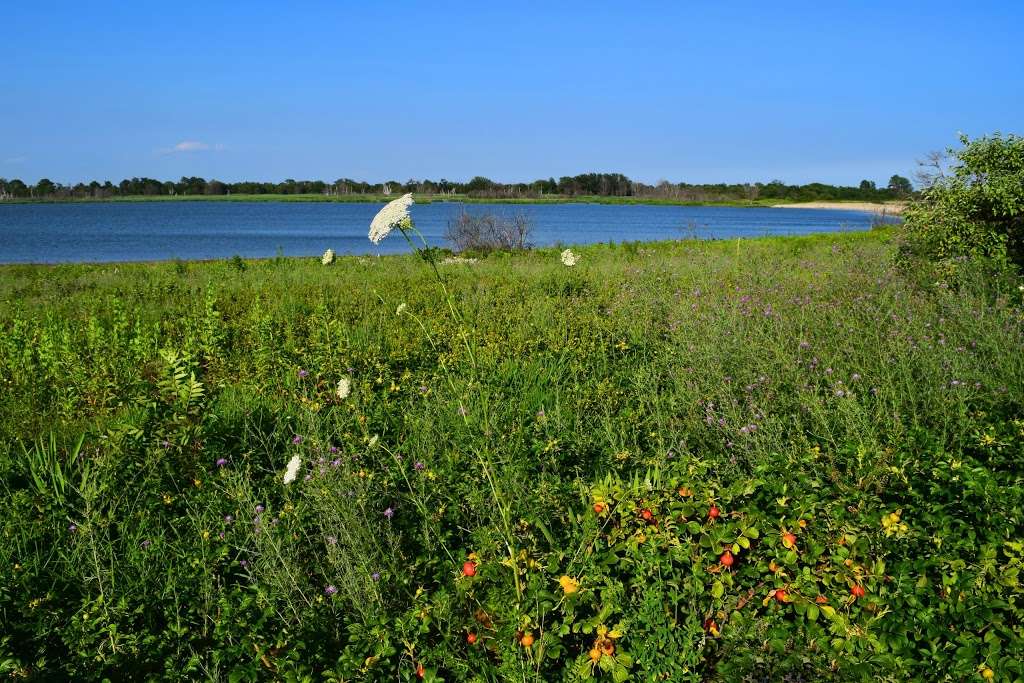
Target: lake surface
{"x":144,"y":231}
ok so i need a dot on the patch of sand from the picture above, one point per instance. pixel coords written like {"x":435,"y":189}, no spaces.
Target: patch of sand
{"x":890,"y":209}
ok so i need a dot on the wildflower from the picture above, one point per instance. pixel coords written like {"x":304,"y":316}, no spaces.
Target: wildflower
{"x":569,"y":585}
{"x":72,"y":528}
{"x":328,"y":257}
{"x":418,"y":466}
{"x":389,"y":513}
{"x":375,"y":576}
{"x":332,"y":540}
{"x":260,"y":508}
{"x":221,"y":462}
{"x":290,"y":473}
{"x":569,"y":259}
{"x":302,"y":374}
{"x":401,"y":309}
{"x":146,"y":543}
{"x":336,"y":462}
{"x":297,"y":440}
{"x":344,"y":388}
{"x":228,"y":519}
{"x":394,"y":215}
{"x":330,"y":590}
{"x":333,"y":449}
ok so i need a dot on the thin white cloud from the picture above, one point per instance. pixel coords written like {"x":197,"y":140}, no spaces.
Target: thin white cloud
{"x":187,"y":146}
{"x":191,"y":146}
{"x":15,"y":160}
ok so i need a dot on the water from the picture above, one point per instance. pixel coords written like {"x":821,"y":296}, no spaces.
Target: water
{"x":144,"y":231}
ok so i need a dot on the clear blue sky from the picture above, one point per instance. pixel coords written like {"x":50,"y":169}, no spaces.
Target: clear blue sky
{"x":686,"y":91}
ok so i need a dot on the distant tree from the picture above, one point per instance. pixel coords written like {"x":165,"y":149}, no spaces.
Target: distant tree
{"x":45,"y":188}
{"x":867,"y":186}
{"x":900,"y":186}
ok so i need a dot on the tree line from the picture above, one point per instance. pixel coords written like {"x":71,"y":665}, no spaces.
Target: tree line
{"x":586,"y":184}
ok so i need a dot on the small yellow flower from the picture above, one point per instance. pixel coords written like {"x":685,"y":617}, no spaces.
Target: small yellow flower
{"x":167,"y":499}
{"x":569,"y":585}
{"x":206,"y":535}
{"x":197,"y":483}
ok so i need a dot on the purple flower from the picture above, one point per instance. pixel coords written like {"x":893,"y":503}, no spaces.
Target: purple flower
{"x":145,"y":544}
{"x":244,"y":563}
{"x":418,"y":465}
{"x":302,"y":374}
{"x":333,"y":449}
{"x":166,"y":444}
{"x":375,"y":576}
{"x":296,"y":439}
{"x":228,"y":519}
{"x":330,"y":590}
{"x":260,"y":508}
{"x":336,"y":462}
{"x":72,"y":528}
{"x":221,"y":462}
{"x":389,"y":513}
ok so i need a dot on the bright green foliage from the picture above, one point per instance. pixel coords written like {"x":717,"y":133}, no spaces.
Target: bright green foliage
{"x":977,"y":211}
{"x":851,"y":430}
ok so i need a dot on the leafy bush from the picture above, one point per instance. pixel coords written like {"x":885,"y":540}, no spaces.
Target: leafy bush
{"x":975,"y":212}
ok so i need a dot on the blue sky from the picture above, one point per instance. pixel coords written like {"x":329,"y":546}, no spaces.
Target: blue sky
{"x":698,"y":92}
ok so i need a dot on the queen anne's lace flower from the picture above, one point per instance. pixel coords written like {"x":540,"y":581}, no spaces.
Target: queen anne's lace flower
{"x":393,"y":215}
{"x":401,"y":309}
{"x":293,"y":469}
{"x":344,"y":387}
{"x":328,"y":257}
{"x":569,"y":258}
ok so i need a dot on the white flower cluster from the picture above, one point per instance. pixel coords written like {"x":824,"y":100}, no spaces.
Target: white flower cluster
{"x":570,"y":259}
{"x":328,"y":257}
{"x":393,"y":215}
{"x":293,"y":469}
{"x":344,"y":388}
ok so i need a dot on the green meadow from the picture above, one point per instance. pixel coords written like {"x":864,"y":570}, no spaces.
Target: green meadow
{"x":768,"y":459}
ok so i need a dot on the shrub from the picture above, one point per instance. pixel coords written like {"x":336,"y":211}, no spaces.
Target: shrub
{"x":489,"y":232}
{"x":975,"y":212}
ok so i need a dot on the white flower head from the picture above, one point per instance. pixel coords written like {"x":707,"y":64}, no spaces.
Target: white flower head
{"x":373,"y":440}
{"x":293,"y":469}
{"x":344,"y":387}
{"x":570,"y":259}
{"x":401,"y":309}
{"x":328,"y":257}
{"x":393,"y":215}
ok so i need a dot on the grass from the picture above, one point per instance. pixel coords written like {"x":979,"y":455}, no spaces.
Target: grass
{"x":526,"y":494}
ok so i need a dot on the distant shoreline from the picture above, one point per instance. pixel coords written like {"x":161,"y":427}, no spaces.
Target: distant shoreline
{"x":893,"y":209}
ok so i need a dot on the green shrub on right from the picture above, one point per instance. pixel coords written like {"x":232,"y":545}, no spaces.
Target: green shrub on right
{"x":976,"y":213}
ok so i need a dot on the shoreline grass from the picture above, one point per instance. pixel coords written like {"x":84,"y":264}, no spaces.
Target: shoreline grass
{"x":689,"y":460}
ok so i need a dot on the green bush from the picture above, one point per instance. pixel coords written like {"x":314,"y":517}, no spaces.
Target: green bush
{"x":975,"y":212}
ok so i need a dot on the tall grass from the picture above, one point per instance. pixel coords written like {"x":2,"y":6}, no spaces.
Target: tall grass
{"x":147,"y":413}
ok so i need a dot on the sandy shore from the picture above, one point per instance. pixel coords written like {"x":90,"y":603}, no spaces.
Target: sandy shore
{"x":893,"y":209}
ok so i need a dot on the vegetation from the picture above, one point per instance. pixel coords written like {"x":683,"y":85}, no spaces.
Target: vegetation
{"x":975,"y":212}
{"x":775,"y":459}
{"x":483,"y":232}
{"x":587,"y":186}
